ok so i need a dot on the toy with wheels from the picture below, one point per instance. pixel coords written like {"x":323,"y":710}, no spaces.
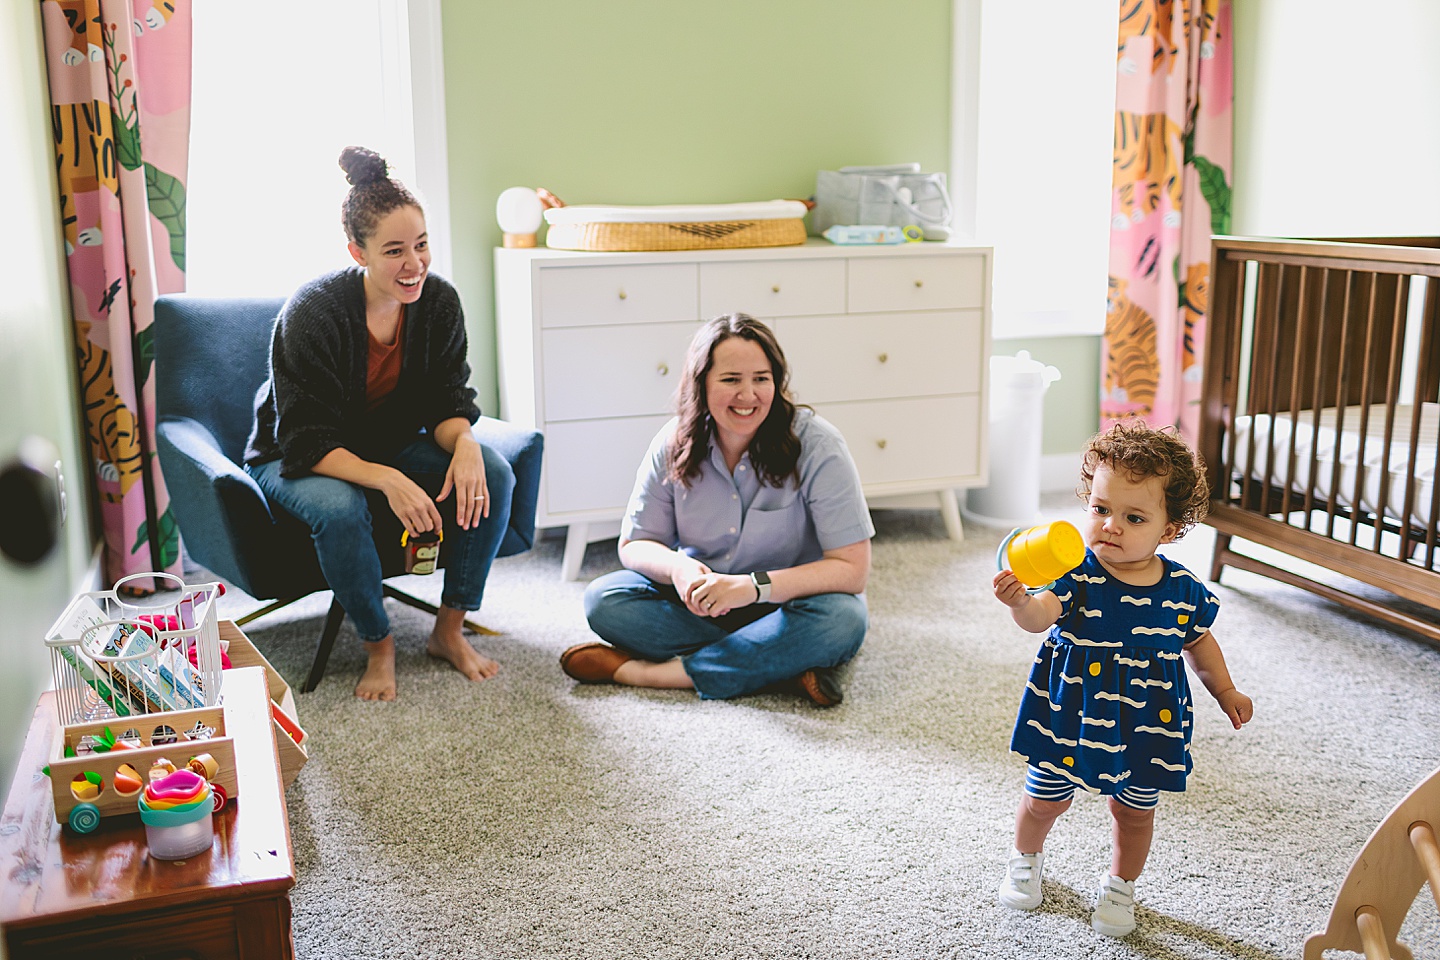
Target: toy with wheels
{"x":1038,"y":556}
{"x":100,"y":769}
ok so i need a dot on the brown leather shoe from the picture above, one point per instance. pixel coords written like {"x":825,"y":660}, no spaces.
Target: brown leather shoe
{"x":821,"y":686}
{"x":593,"y":662}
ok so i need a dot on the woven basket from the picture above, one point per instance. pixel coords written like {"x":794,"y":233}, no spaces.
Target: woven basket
{"x":705,"y":235}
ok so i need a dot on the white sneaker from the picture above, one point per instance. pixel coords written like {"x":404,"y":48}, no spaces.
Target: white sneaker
{"x":1020,"y":890}
{"x":1114,"y":913}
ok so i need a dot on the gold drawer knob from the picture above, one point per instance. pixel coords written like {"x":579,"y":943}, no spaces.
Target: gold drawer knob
{"x":663,"y":369}
{"x":775,"y":288}
{"x":884,"y":357}
{"x":919,"y":283}
{"x":622,"y":294}
{"x":880,"y":443}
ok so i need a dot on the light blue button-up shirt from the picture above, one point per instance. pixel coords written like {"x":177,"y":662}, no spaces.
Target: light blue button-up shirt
{"x":735,"y":523}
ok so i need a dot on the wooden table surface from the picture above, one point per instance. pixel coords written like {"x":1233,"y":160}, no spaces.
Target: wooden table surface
{"x":51,"y":876}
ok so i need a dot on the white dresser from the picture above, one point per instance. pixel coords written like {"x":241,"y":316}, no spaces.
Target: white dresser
{"x":889,"y":343}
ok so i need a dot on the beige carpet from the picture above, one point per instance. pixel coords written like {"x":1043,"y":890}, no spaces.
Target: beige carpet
{"x":525,"y":817}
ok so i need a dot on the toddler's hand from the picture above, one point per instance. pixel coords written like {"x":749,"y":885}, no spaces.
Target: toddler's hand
{"x":1237,"y":707}
{"x":1009,"y":590}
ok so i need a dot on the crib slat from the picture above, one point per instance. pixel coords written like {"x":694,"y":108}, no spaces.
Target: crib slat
{"x":1392,"y":394}
{"x":1342,"y":392}
{"x":1316,"y":391}
{"x":1297,"y":369}
{"x":1356,"y":510}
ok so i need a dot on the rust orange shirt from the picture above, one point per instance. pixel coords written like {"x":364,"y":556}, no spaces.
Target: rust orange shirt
{"x":382,"y":366}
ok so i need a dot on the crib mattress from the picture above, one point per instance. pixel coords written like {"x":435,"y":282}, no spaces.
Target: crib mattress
{"x":1357,"y":484}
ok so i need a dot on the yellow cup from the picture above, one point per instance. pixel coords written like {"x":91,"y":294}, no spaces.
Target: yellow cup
{"x":1039,"y":555}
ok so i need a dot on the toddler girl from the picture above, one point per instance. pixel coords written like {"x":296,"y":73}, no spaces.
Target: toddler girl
{"x":1107,"y":706}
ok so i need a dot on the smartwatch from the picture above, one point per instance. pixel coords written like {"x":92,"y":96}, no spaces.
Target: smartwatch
{"x":761,"y":579}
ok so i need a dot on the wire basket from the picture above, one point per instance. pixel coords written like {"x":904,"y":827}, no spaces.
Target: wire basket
{"x":113,"y":656}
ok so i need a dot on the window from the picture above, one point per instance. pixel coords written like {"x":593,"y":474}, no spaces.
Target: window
{"x":1034,"y":106}
{"x":273,"y":104}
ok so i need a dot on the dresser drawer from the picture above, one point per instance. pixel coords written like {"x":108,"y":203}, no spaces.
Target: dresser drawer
{"x":896,"y":441}
{"x":635,"y":293}
{"x":772,"y":288}
{"x":884,"y":284}
{"x":595,"y":372}
{"x":883,"y":355}
{"x":591,"y":465}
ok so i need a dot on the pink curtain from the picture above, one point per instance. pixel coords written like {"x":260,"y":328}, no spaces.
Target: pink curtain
{"x":120,"y":107}
{"x":1172,"y":179}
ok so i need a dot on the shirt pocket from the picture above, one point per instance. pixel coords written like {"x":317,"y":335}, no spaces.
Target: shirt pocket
{"x":774,"y":537}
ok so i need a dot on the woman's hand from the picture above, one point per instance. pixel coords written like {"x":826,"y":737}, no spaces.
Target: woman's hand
{"x":466,"y":478}
{"x":411,"y":504}
{"x":716,"y":594}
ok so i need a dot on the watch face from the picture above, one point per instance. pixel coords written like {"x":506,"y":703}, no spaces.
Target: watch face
{"x":761,"y":577}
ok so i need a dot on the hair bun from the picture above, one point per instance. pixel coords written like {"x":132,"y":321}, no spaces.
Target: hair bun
{"x":363,"y":166}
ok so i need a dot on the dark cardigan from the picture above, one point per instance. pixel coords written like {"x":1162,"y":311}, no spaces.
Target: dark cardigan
{"x":314,"y":399}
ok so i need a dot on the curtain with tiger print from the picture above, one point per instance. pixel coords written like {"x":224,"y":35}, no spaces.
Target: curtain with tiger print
{"x":119,"y":69}
{"x":1171,"y":191}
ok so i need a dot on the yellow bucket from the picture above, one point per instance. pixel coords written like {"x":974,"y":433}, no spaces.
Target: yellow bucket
{"x":1039,"y":555}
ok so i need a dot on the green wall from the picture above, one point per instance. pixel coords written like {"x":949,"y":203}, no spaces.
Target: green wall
{"x":658,"y":101}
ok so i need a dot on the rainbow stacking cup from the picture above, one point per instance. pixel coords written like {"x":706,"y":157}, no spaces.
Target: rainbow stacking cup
{"x":1039,"y":555}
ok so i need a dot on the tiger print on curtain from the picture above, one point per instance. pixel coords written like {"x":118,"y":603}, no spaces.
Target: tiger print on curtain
{"x":1171,"y":191}
{"x":119,"y":69}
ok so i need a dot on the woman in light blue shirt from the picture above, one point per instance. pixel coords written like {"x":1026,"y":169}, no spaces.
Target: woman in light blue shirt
{"x":746,"y":543}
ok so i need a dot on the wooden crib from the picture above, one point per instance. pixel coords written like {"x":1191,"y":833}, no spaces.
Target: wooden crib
{"x":1320,"y":416}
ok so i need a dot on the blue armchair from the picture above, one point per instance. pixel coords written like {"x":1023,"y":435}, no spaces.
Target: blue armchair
{"x":211,"y":355}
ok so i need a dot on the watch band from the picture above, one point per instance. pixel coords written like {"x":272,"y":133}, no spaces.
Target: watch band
{"x":761,"y":579}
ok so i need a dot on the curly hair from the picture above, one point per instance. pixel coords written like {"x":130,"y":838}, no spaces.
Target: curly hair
{"x":1139,"y":452}
{"x":373,"y":193}
{"x":775,"y":450}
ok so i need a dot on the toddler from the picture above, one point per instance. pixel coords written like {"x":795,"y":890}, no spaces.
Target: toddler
{"x":1107,"y":706}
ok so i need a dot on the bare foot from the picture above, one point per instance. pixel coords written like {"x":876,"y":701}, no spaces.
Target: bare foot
{"x":378,"y":681}
{"x":448,"y":643}
{"x":462,"y":656}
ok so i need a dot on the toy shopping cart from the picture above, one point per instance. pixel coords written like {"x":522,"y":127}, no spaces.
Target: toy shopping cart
{"x":113,"y":656}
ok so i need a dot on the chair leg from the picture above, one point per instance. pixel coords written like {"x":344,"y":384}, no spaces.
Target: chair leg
{"x":418,"y":604}
{"x":333,"y":619}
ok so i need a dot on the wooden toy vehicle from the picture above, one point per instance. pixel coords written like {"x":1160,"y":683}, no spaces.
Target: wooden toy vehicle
{"x":99,"y":769}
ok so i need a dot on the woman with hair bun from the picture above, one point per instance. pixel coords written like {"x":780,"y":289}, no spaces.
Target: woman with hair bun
{"x":746,"y":542}
{"x":369,"y":404}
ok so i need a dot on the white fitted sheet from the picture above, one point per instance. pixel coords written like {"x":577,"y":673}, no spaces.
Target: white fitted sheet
{"x":1324,"y":446}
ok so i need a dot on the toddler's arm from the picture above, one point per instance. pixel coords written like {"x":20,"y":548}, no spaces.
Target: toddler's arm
{"x":1208,"y":662}
{"x":1033,"y":612}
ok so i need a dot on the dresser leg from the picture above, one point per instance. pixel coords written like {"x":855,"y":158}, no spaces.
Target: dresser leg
{"x":950,"y":513}
{"x":575,"y":542}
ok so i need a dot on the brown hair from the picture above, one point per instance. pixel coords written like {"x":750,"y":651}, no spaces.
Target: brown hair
{"x":775,"y":450}
{"x":1139,"y":452}
{"x":373,"y":193}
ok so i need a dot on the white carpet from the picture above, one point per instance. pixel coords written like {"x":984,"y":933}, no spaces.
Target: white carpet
{"x":526,"y":817}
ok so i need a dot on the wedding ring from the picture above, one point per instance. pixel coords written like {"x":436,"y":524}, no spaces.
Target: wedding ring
{"x":477,"y":498}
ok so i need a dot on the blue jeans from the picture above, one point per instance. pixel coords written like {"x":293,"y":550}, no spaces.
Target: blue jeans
{"x":732,"y":655}
{"x":338,"y":515}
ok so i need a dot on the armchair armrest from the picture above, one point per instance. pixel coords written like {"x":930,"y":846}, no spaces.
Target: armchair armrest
{"x":221,"y":512}
{"x":523,"y":448}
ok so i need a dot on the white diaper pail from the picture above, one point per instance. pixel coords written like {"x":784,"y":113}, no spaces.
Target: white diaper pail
{"x":1017,"y":415}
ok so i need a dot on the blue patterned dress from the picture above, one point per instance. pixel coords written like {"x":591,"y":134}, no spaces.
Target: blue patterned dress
{"x":1108,"y":704}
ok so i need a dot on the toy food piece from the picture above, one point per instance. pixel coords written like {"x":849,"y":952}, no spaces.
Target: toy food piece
{"x":127,"y":780}
{"x":84,"y":789}
{"x":1039,"y":555}
{"x":204,"y":765}
{"x":161,"y":769}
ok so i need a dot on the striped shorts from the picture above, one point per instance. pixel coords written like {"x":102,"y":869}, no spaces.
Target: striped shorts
{"x":1047,"y":786}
